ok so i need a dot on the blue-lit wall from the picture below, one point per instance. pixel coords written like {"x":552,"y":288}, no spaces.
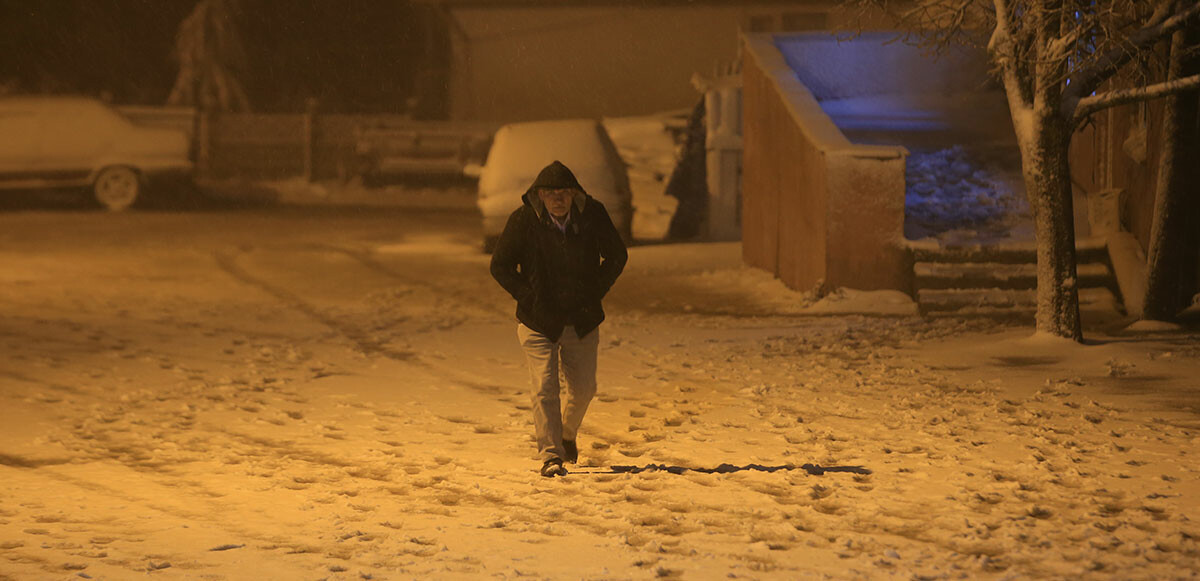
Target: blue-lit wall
{"x":881,"y":91}
{"x":872,"y":65}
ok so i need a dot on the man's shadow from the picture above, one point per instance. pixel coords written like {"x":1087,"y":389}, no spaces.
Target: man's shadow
{"x":813,"y":469}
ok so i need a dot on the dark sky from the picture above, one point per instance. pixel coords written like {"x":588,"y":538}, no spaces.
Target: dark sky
{"x":353,"y":55}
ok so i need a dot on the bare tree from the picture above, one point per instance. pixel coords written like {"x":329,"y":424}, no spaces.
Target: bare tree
{"x":1174,"y":243}
{"x":1053,"y":58}
{"x":209,"y":49}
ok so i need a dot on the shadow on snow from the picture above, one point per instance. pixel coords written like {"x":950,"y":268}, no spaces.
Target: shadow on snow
{"x":813,"y":469}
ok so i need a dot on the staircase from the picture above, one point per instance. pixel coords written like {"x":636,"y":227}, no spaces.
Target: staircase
{"x":1001,"y":280}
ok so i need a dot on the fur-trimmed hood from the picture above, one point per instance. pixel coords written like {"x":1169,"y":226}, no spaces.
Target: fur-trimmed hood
{"x":555,"y":176}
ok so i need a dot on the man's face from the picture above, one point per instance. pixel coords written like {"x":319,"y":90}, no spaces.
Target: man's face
{"x":558,"y":202}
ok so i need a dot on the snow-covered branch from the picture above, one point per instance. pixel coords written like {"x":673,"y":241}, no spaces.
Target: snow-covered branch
{"x":1094,"y":103}
{"x":938,"y":24}
{"x":1061,"y":47}
{"x":1162,"y":23}
{"x":1047,"y":74}
{"x":1003,"y":51}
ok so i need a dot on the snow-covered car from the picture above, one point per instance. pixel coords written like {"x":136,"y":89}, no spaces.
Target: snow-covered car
{"x":67,"y":142}
{"x":520,"y":150}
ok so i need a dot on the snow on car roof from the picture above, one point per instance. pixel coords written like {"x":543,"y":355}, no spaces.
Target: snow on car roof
{"x":520,"y":150}
{"x":537,"y":143}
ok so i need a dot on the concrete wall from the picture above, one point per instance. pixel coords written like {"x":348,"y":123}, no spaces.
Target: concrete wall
{"x":817,"y":210}
{"x":512,"y":63}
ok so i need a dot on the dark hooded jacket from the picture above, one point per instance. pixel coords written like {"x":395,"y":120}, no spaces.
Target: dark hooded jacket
{"x":558,"y":278}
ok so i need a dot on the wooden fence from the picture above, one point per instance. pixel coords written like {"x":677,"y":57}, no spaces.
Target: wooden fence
{"x":321,"y":146}
{"x":817,"y":210}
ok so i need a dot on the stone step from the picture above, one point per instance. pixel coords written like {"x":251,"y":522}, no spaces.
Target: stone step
{"x":992,"y":301}
{"x":964,"y":275}
{"x":1087,"y":251}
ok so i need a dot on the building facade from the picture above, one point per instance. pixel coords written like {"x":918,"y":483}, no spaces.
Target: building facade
{"x":516,"y":60}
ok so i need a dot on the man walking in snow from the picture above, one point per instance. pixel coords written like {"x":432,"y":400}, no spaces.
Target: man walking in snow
{"x":558,"y":256}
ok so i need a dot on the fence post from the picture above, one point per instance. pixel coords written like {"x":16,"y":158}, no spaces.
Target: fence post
{"x":310,"y":113}
{"x":723,"y":112}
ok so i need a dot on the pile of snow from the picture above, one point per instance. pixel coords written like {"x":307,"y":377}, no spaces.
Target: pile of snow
{"x":1194,"y":309}
{"x":1147,"y":326}
{"x":761,"y":289}
{"x":954,"y":188}
{"x":712,"y":279}
{"x":650,"y":146}
{"x":880,"y":302}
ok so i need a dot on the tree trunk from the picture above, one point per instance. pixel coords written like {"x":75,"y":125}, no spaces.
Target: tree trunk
{"x":1174,"y":244}
{"x":1048,"y":187}
{"x":1045,"y":136}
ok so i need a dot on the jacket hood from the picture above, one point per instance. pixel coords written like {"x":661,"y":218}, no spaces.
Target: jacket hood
{"x":556,"y":176}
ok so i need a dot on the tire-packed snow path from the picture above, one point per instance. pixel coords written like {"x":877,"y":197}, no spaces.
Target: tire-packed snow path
{"x":339,"y":395}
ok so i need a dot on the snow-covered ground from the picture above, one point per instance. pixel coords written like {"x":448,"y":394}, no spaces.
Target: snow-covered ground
{"x":339,"y":395}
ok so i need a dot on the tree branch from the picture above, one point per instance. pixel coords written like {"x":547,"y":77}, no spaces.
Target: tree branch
{"x":1003,"y":52}
{"x":1048,"y":69}
{"x":1061,"y":47}
{"x":1101,"y":101}
{"x":1162,"y":23}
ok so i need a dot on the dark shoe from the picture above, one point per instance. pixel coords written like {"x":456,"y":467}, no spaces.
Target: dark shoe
{"x":571,"y":450}
{"x":553,"y":467}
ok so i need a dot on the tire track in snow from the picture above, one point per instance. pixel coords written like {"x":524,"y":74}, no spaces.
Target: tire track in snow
{"x":668,"y":377}
{"x":485,"y":385}
{"x":368,"y":261}
{"x":142,"y":515}
{"x":227,"y":262}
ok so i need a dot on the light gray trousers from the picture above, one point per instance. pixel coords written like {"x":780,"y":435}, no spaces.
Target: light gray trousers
{"x":553,"y":421}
